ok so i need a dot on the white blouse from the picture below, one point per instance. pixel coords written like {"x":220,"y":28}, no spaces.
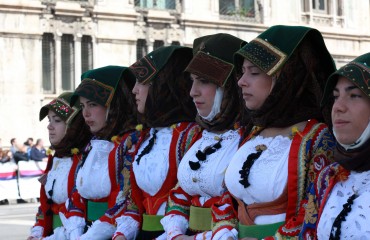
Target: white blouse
{"x":93,"y":180}
{"x":357,"y":223}
{"x":152,"y":170}
{"x":208,"y":180}
{"x":268,"y":175}
{"x":57,"y":179}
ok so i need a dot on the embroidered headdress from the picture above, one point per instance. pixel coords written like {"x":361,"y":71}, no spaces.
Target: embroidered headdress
{"x":273,"y":47}
{"x":168,"y":101}
{"x":357,"y":71}
{"x":213,"y":57}
{"x":354,"y":157}
{"x":110,"y":87}
{"x":147,"y":68}
{"x":299,"y":60}
{"x":213,"y":61}
{"x":99,"y":85}
{"x":61,"y":107}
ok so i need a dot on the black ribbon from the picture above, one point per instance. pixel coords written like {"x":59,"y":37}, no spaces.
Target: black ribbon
{"x":202,"y":155}
{"x":148,"y":147}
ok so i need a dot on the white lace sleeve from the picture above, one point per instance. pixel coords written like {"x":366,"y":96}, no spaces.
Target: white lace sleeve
{"x":99,"y":230}
{"x":37,"y":231}
{"x":74,"y":226}
{"x":174,"y":225}
{"x":128,"y":226}
{"x":225,"y":234}
{"x":59,"y":234}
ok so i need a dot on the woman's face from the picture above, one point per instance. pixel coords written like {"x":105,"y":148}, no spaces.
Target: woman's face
{"x":141,"y":93}
{"x":203,"y":93}
{"x":56,"y":127}
{"x":94,"y":114}
{"x":255,"y":84}
{"x":351,"y":111}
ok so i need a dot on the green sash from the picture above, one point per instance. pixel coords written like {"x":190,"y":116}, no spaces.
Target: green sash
{"x":57,"y":222}
{"x":152,"y":223}
{"x":200,"y":219}
{"x":258,"y":231}
{"x":95,"y":210}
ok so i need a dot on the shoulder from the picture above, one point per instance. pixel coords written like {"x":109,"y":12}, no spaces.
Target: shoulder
{"x":318,"y":135}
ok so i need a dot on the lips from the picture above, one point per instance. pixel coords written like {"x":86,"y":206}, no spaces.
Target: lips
{"x":246,"y":96}
{"x":90,"y":123}
{"x":340,"y":122}
{"x":198,"y":104}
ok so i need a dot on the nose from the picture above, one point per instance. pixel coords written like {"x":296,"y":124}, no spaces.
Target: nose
{"x":85,"y":112}
{"x":135,"y":89}
{"x":194,"y":90}
{"x":50,"y":126}
{"x":243,"y":81}
{"x":339,"y":105}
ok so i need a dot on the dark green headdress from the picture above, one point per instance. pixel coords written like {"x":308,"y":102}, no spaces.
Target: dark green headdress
{"x":298,"y":58}
{"x":61,"y":107}
{"x":147,"y":68}
{"x":99,"y":84}
{"x":272,"y":48}
{"x":213,"y":57}
{"x":357,"y":71}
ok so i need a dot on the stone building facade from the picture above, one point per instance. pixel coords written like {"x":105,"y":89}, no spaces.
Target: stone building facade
{"x":45,"y":45}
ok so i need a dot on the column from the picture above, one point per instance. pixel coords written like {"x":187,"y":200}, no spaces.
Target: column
{"x":77,"y":60}
{"x":58,"y":63}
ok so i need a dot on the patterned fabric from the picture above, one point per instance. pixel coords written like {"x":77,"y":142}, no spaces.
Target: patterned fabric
{"x":123,"y":168}
{"x":61,"y":107}
{"x":310,"y":151}
{"x":117,"y":173}
{"x":224,"y":215}
{"x":297,"y":57}
{"x":317,"y":196}
{"x":99,"y":84}
{"x":168,"y":101}
{"x":213,"y":57}
{"x":138,"y":201}
{"x":348,"y":199}
{"x":264,"y":55}
{"x":268,"y":173}
{"x":147,"y":68}
{"x":213,"y":61}
{"x":357,"y":71}
{"x":96,"y":91}
{"x":273,"y":47}
{"x":50,"y":205}
{"x":205,"y":186}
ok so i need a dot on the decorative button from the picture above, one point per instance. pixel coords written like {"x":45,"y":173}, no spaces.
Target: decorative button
{"x":195,"y":180}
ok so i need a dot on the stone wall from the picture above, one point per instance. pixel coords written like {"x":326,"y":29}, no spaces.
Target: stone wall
{"x":115,"y":26}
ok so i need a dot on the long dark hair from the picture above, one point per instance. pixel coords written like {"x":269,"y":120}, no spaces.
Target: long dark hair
{"x":121,"y":117}
{"x":297,"y":92}
{"x":77,"y":136}
{"x":168,"y":101}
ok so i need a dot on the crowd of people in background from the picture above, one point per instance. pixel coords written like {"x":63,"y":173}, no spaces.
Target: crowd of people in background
{"x":23,"y":151}
{"x":230,"y":139}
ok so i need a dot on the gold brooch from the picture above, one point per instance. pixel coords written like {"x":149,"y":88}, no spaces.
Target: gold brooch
{"x":261,"y":147}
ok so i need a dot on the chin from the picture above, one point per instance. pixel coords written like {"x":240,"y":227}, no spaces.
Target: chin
{"x":345,"y":141}
{"x":53,"y":143}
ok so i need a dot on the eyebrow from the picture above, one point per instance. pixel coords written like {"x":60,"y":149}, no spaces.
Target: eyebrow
{"x":347,"y":89}
{"x":199,"y":78}
{"x":87,"y":102}
{"x":53,"y":116}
